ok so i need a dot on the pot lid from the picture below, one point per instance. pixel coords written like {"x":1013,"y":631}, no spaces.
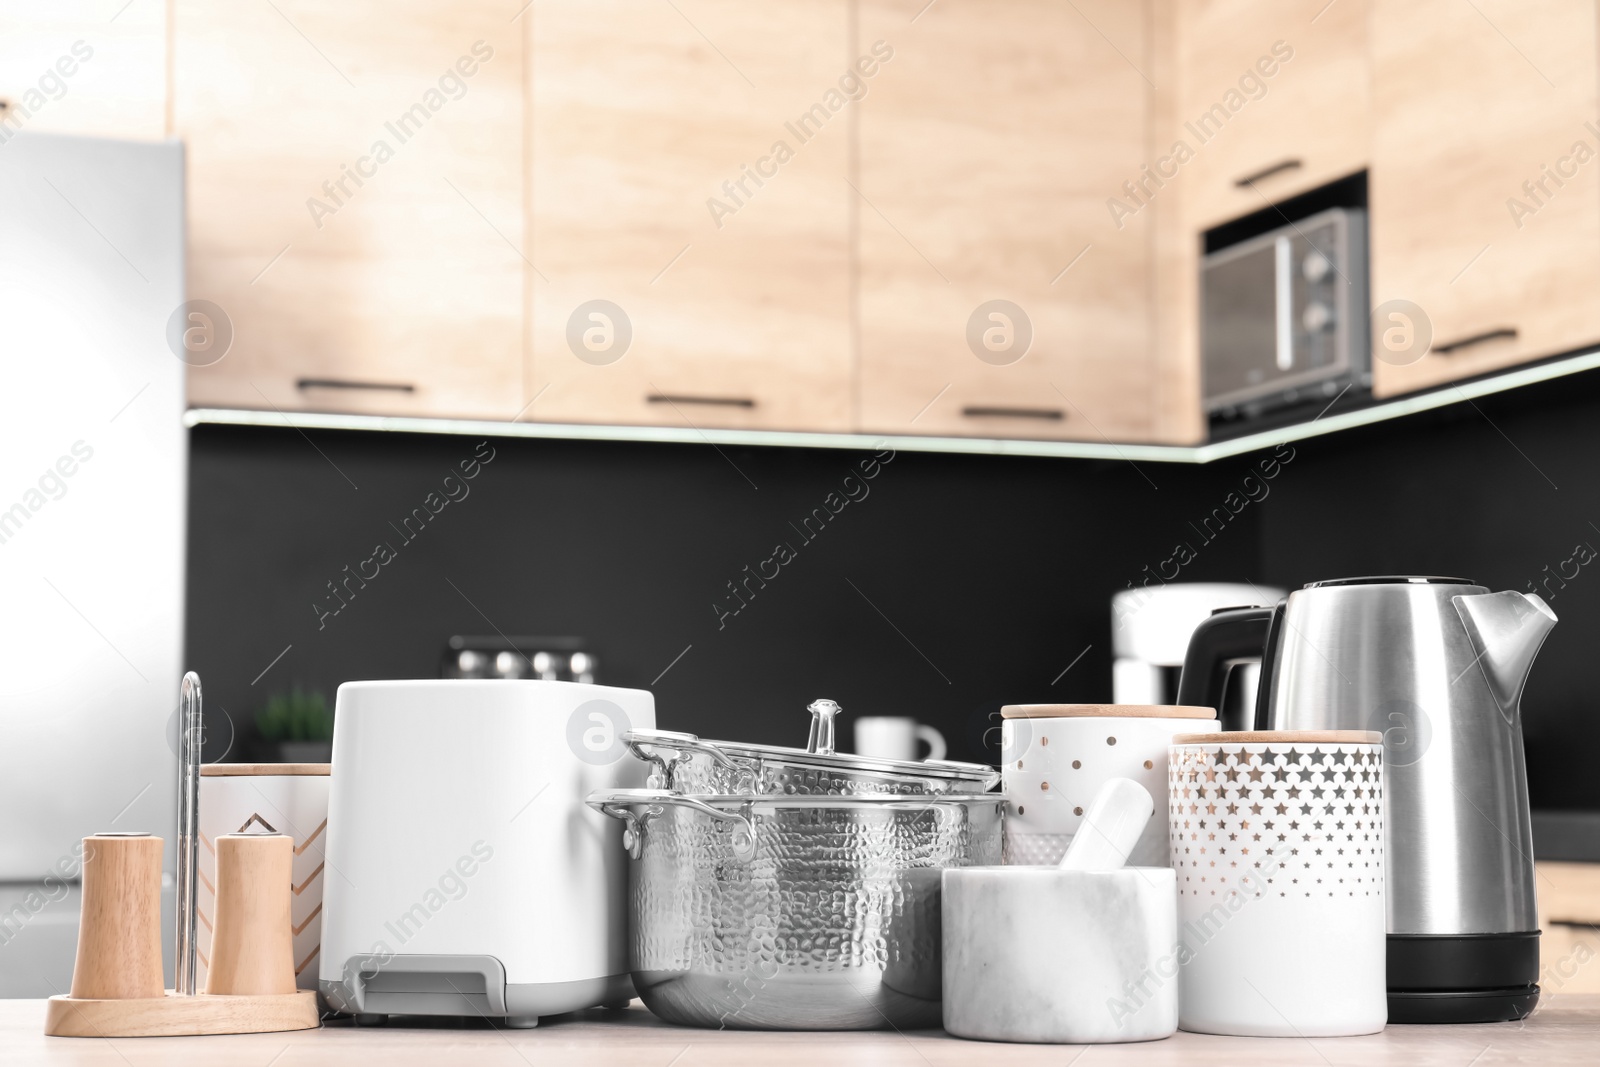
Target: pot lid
{"x":1105,"y":711}
{"x":623,"y":798}
{"x":819,"y":752}
{"x":1391,"y":579}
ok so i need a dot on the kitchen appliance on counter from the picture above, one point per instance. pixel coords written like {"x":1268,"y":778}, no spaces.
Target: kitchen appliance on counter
{"x":549,"y":659}
{"x":803,"y":892}
{"x":1150,"y":630}
{"x":1283,"y":315}
{"x":1438,"y":666}
{"x":466,"y":876}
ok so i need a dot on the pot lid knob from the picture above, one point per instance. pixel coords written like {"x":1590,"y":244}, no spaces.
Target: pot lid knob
{"x":822,"y":715}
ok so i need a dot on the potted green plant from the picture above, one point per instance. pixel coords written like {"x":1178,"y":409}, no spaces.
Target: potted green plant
{"x":300,"y":724}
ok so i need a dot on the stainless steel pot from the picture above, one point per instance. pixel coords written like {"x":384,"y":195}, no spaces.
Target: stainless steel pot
{"x":794,"y":912}
{"x":684,"y":763}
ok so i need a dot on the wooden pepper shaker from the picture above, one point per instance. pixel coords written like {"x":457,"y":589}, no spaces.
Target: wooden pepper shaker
{"x":119,"y":935}
{"x":252,"y":944}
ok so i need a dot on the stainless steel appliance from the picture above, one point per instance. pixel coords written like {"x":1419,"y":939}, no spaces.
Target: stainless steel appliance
{"x":1283,"y":316}
{"x":1438,"y":666}
{"x":93,"y":497}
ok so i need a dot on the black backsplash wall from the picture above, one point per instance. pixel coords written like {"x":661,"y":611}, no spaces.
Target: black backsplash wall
{"x":955,"y":584}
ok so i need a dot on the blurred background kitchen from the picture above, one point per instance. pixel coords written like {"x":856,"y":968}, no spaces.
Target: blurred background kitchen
{"x":755,"y":353}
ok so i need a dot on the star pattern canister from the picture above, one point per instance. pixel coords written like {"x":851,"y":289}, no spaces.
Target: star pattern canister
{"x":1277,"y":841}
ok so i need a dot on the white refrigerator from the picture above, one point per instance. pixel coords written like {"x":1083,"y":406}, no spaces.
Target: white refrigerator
{"x":93,"y":471}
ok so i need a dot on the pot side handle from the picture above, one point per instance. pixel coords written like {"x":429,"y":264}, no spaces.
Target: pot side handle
{"x":625,"y":805}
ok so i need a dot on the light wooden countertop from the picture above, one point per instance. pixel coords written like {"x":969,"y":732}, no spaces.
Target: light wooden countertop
{"x":1564,"y":1030}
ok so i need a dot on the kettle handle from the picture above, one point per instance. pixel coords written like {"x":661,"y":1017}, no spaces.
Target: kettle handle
{"x":1228,"y":636}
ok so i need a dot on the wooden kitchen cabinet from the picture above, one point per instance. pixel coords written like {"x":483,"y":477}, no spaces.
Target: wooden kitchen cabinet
{"x":799,"y":215}
{"x":1471,"y":101}
{"x":1569,"y":943}
{"x":989,"y":146}
{"x":675,"y":179}
{"x":355,"y":202}
{"x":90,"y":67}
{"x":1272,"y":100}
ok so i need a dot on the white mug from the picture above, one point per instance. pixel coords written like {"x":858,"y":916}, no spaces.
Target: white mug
{"x":1055,"y":757}
{"x":1278,"y":845}
{"x":896,"y":737}
{"x":283,"y":798}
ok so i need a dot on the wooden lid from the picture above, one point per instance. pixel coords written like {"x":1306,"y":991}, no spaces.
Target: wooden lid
{"x":241,"y":770}
{"x":1105,"y":711}
{"x":1287,"y":737}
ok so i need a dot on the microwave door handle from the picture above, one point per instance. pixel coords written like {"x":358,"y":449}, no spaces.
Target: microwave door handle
{"x":1284,"y":289}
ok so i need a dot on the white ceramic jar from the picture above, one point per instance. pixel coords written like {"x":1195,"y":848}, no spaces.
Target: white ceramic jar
{"x":1278,"y":845}
{"x":1055,"y":757}
{"x":267,"y":798}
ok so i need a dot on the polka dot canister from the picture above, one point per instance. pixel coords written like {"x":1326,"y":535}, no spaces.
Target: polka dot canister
{"x":1055,"y":757}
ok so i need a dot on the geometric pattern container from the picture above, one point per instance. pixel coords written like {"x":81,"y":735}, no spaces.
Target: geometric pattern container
{"x":283,"y":798}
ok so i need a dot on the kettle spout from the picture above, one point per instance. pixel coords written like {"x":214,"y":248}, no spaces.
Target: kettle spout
{"x":1506,"y":630}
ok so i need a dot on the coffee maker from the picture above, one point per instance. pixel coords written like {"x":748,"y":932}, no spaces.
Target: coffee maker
{"x":1437,"y":665}
{"x":1150,"y":630}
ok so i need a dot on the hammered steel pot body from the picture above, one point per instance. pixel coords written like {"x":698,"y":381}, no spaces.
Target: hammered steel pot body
{"x":817,"y":915}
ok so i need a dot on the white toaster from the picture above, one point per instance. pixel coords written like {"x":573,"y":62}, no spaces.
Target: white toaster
{"x":465,"y":875}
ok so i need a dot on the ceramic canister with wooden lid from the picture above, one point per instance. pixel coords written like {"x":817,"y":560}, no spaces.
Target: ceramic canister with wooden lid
{"x":268,"y":798}
{"x":1056,"y":756}
{"x":1278,"y":846}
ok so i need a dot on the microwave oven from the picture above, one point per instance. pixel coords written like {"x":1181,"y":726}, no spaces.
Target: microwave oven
{"x":1283,"y":315}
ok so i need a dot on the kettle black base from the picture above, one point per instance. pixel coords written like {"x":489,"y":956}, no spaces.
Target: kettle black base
{"x":1482,"y":1006}
{"x":1462,"y":978}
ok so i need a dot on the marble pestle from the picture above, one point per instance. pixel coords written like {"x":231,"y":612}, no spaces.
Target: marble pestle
{"x":1117,"y":815}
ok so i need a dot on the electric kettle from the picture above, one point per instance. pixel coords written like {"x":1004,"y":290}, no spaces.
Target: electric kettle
{"x":1437,"y":665}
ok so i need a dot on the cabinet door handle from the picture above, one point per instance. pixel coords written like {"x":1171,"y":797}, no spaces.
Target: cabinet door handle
{"x":717,"y":401}
{"x":345,"y":383}
{"x":1267,"y":172}
{"x":1503,"y":333}
{"x":1052,"y":414}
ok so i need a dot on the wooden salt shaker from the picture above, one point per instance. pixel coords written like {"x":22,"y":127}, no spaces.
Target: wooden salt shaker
{"x":119,"y":937}
{"x":252,"y":944}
